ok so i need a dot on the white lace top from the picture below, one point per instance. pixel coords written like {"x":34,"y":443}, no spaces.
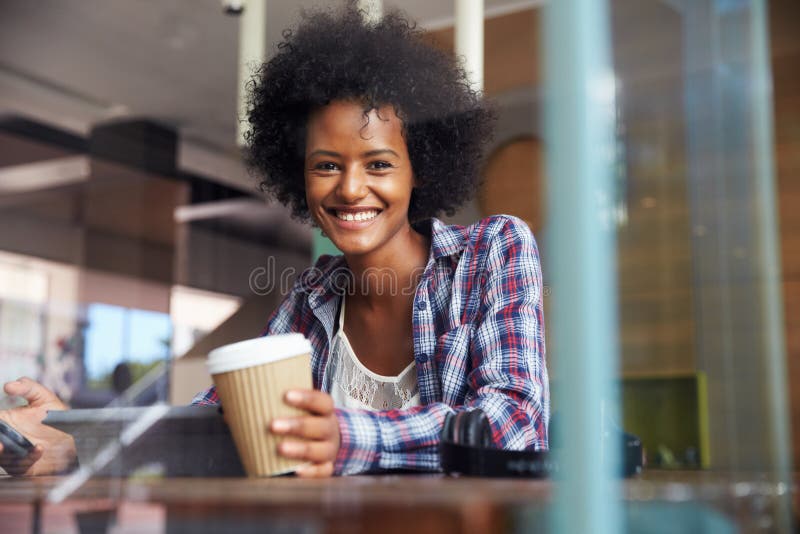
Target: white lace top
{"x":355,"y":386}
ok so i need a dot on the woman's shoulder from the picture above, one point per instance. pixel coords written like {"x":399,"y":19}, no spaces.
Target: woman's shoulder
{"x":498,"y":233}
{"x":501,"y":224}
{"x":480,"y":233}
{"x":486,"y":244}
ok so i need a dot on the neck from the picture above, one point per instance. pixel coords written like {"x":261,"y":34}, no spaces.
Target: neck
{"x":394,"y":269}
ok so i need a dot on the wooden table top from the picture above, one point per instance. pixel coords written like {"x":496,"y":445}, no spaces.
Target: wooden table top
{"x":423,"y":503}
{"x":668,"y":486}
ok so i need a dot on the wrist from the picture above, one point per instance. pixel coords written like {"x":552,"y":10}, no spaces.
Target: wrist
{"x":360,"y":442}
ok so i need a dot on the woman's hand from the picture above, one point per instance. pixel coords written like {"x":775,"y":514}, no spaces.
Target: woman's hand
{"x":319,"y":432}
{"x":54,"y":451}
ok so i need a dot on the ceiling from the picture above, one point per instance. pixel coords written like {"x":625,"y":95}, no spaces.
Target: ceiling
{"x":73,"y":63}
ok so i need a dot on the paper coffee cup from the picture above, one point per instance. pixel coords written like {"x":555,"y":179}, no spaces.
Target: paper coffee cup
{"x":251,"y":377}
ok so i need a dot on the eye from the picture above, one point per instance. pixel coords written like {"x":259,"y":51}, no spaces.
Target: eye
{"x":379,"y":165}
{"x":326,"y":166}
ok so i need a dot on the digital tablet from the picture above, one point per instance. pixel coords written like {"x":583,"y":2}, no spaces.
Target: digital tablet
{"x":180,"y":441}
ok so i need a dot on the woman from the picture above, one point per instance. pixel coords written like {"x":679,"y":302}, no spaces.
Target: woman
{"x":369,"y":132}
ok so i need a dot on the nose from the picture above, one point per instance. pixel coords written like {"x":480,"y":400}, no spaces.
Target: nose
{"x":352,"y":185}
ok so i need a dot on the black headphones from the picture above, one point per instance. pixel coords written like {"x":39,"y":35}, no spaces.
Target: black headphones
{"x":466,"y":448}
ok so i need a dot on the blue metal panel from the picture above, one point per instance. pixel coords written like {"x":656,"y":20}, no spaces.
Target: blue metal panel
{"x":580,"y":143}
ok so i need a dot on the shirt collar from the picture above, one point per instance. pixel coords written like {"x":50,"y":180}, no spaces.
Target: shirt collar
{"x":322,"y":281}
{"x":446,"y":240}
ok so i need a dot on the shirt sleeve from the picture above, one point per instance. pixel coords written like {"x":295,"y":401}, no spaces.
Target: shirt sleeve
{"x":207,"y":397}
{"x":508,"y":377}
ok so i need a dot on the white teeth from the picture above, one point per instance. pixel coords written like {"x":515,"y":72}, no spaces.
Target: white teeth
{"x":358,"y":216}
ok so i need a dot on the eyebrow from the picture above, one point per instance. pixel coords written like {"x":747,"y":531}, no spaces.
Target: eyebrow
{"x":367,"y":154}
{"x":380,"y":151}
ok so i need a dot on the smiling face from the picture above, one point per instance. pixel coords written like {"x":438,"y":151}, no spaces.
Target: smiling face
{"x":358,"y":176}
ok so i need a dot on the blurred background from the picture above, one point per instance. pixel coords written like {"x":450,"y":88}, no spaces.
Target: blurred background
{"x":130,"y":232}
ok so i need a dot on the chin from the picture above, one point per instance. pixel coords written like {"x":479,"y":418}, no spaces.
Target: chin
{"x":351,"y":248}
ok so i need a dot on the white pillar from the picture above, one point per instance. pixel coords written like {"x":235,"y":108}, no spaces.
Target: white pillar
{"x":252,"y":52}
{"x":373,"y":9}
{"x":469,"y":38}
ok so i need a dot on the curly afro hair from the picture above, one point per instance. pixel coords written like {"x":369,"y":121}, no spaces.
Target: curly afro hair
{"x":338,"y":55}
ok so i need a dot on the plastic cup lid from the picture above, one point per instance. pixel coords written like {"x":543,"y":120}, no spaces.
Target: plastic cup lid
{"x":256,"y":351}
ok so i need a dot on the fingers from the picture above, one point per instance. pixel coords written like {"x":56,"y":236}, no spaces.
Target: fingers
{"x":317,"y":452}
{"x":311,"y":427}
{"x":311,"y":400}
{"x":322,"y":470}
{"x":318,"y":433}
{"x":33,"y":392}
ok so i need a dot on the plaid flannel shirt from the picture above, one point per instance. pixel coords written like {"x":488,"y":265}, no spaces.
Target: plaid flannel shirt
{"x":478,"y":343}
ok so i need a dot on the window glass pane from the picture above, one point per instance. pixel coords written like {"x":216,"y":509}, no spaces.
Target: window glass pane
{"x":651,"y":147}
{"x":106,"y":340}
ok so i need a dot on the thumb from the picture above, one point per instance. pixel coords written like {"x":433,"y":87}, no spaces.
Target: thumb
{"x":36,"y":394}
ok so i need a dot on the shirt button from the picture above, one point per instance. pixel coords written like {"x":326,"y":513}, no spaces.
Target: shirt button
{"x":421,"y":305}
{"x":423,"y":358}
